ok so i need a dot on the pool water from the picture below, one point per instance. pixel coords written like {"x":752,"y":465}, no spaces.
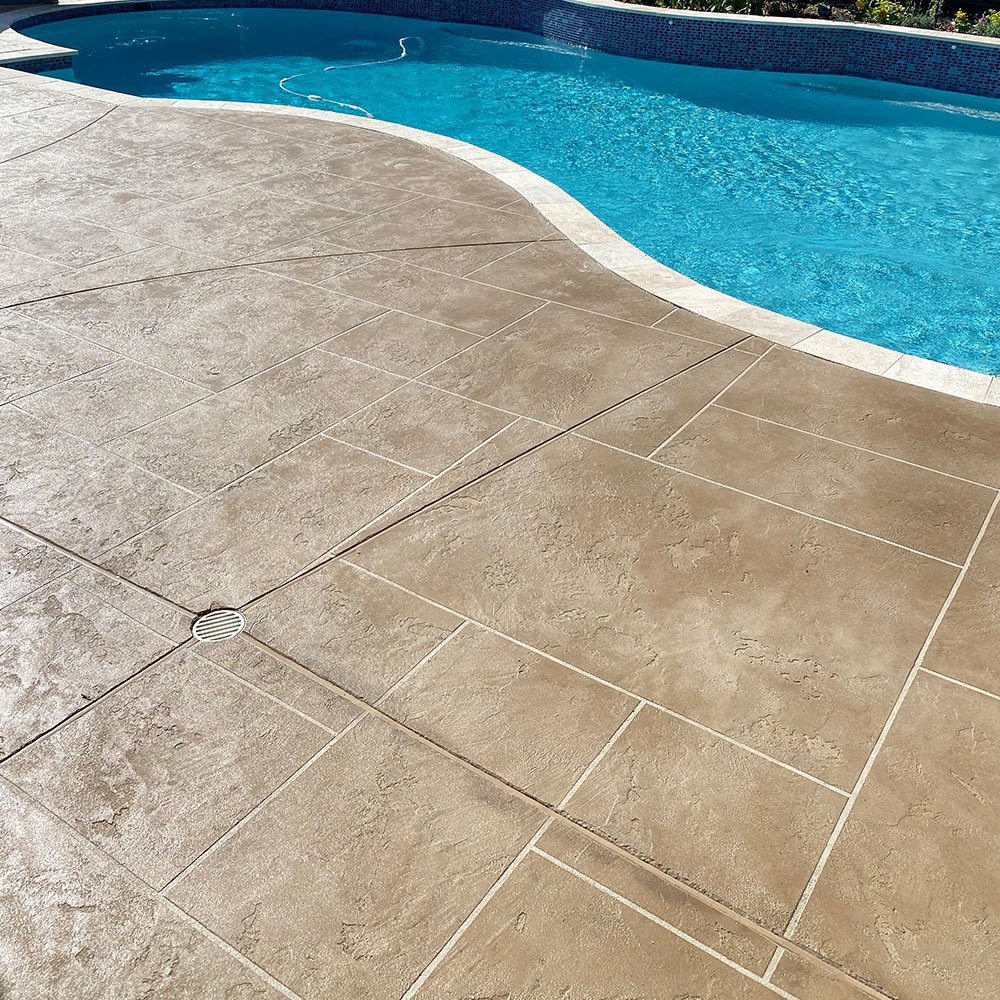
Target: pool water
{"x":867,"y":208}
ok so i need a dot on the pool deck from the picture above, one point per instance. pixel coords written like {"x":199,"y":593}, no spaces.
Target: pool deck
{"x":595,"y":649}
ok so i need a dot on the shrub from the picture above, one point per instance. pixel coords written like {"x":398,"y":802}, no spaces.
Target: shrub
{"x":988,"y":24}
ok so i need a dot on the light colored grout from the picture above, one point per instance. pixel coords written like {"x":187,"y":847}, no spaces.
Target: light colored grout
{"x":600,"y":680}
{"x":418,"y":379}
{"x":96,"y":567}
{"x":99,"y":701}
{"x":511,"y":253}
{"x":266,"y":694}
{"x":660,"y":922}
{"x":476,"y":910}
{"x":220,"y":393}
{"x":566,"y":305}
{"x":772,"y":965}
{"x":856,"y":447}
{"x":961,"y":684}
{"x":845,"y":814}
{"x":696,"y":415}
{"x":222,"y":943}
{"x":304,"y":766}
{"x":330,"y":553}
{"x":120,"y":458}
{"x":509,"y":870}
{"x":801,"y":513}
{"x":602,"y":753}
{"x":64,"y":381}
{"x":375,"y":454}
{"x":648,"y":458}
{"x":146,"y":888}
{"x":236,"y":827}
{"x":717,"y":905}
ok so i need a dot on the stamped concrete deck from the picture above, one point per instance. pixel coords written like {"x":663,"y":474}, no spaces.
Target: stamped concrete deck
{"x":595,"y":650}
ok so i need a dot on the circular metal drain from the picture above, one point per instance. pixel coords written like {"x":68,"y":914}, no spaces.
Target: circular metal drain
{"x":220,"y":623}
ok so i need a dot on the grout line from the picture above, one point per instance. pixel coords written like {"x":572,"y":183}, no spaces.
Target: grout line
{"x":341,"y":550}
{"x":361,"y":717}
{"x":511,"y":253}
{"x":218,"y":393}
{"x":99,"y":700}
{"x":218,"y":264}
{"x":664,"y":874}
{"x":452,"y":941}
{"x":660,"y":922}
{"x":325,"y":557}
{"x":476,"y":910}
{"x":589,"y":770}
{"x":64,"y":381}
{"x":772,"y":966}
{"x":222,"y":943}
{"x":146,"y":888}
{"x":62,"y":138}
{"x":489,"y":406}
{"x":796,"y":510}
{"x":604,"y":683}
{"x":565,"y":305}
{"x":426,"y":658}
{"x":824,"y":858}
{"x":52,"y":580}
{"x":666,"y":315}
{"x":695,"y":416}
{"x":374,"y":454}
{"x":224,"y":838}
{"x":961,"y":684}
{"x":97,"y":568}
{"x":57,"y":429}
{"x":266,"y":694}
{"x":848,"y":444}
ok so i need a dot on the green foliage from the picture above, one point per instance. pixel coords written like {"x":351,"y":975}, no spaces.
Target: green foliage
{"x":988,"y":24}
{"x":903,"y":13}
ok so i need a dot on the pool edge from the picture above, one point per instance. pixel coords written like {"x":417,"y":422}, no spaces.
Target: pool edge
{"x":585,"y":230}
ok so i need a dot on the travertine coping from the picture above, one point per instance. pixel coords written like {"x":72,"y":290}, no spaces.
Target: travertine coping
{"x":580,"y":225}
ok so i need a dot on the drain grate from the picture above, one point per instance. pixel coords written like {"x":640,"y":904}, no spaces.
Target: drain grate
{"x":220,"y":623}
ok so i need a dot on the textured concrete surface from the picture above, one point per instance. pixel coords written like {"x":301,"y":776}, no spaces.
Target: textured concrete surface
{"x":594,"y":649}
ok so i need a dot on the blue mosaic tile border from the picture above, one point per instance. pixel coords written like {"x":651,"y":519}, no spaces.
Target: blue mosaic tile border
{"x":939,"y":62}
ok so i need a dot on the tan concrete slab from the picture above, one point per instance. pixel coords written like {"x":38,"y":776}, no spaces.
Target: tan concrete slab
{"x":940,"y":432}
{"x":693,"y":596}
{"x":421,"y":426}
{"x":902,"y":503}
{"x":265,"y":527}
{"x":561,"y":364}
{"x":159,"y":770}
{"x":906,"y":900}
{"x":73,"y":492}
{"x":523,"y":717}
{"x":548,"y":934}
{"x":400,"y":343}
{"x":738,"y":827}
{"x":563,"y":273}
{"x":358,"y":872}
{"x":75,"y":921}
{"x":215,"y":440}
{"x":61,"y":647}
{"x":112,"y":401}
{"x":349,"y":628}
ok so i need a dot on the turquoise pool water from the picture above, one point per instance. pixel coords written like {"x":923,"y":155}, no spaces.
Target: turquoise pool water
{"x":867,"y":208}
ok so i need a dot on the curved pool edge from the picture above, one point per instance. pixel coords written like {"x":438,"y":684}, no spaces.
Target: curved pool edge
{"x":579,"y":225}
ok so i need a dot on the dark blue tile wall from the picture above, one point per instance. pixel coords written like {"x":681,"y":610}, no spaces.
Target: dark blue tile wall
{"x":928,"y":60}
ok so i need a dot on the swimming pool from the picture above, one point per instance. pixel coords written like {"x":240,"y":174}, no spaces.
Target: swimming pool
{"x":867,"y":208}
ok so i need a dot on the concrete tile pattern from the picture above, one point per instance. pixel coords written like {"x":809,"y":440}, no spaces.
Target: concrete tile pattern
{"x":593,"y":648}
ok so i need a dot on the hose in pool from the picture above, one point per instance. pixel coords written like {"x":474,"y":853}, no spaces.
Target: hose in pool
{"x":403,"y":53}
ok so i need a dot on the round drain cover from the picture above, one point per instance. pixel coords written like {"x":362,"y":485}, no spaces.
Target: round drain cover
{"x":220,"y":623}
